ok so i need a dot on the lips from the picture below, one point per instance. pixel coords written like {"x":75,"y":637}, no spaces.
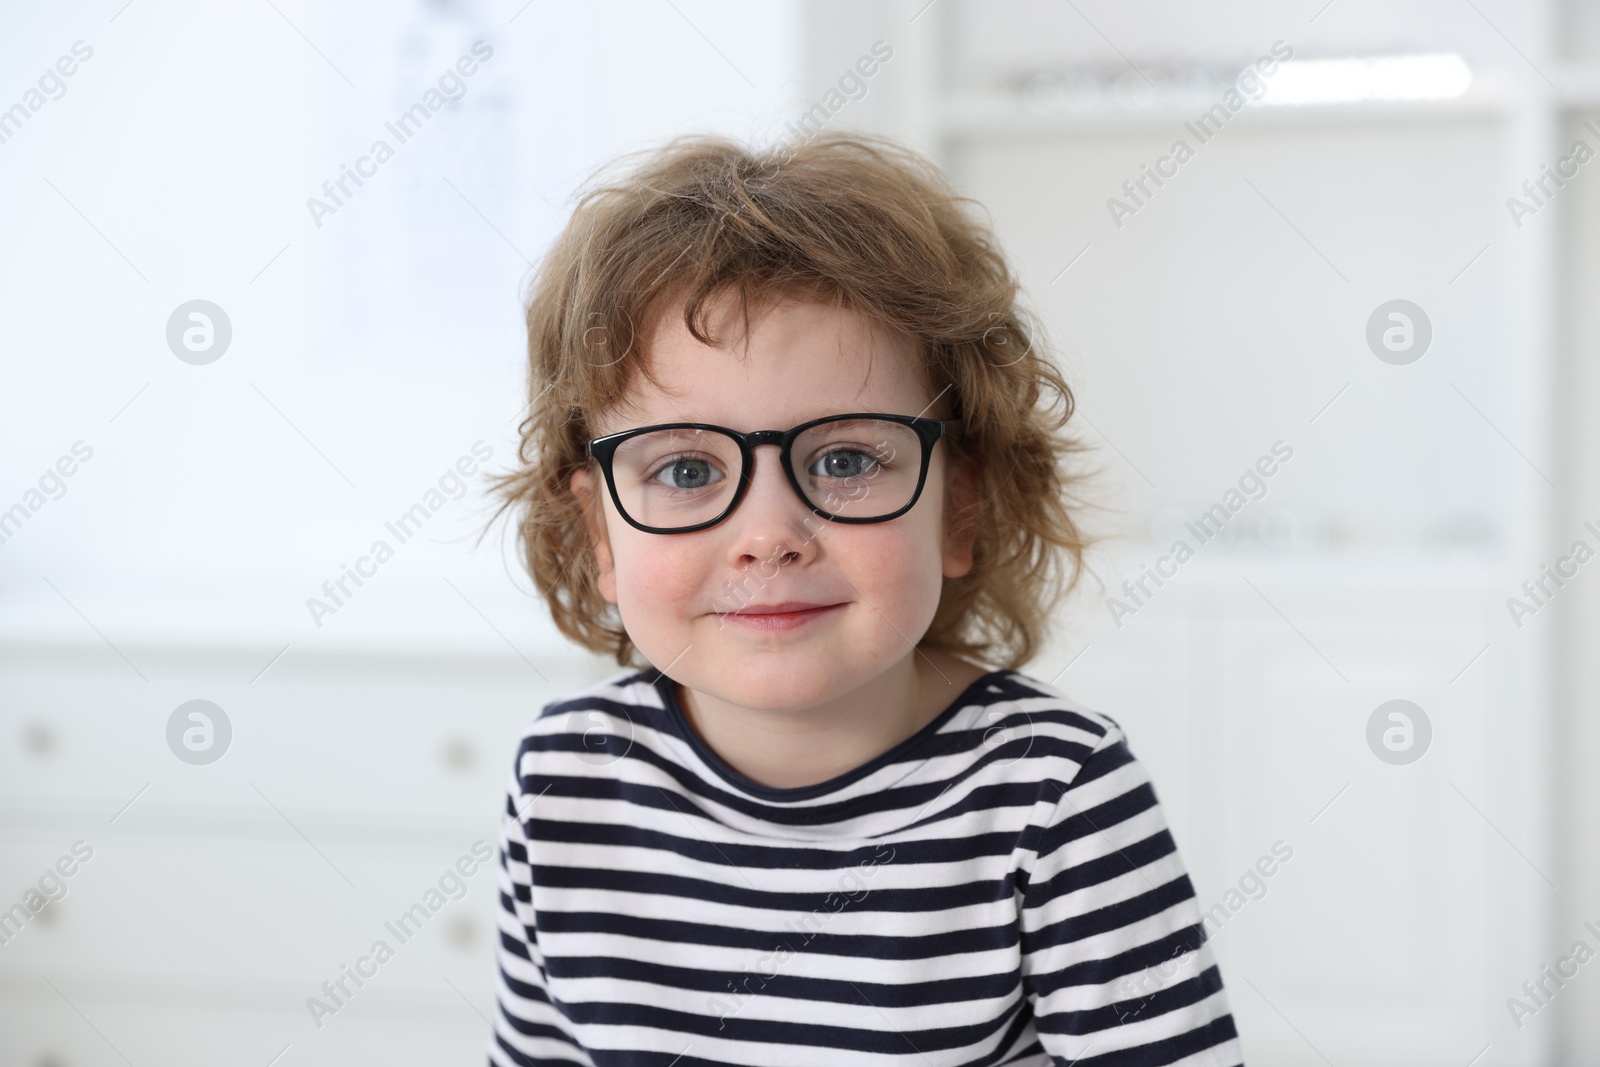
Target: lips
{"x":778,"y":618}
{"x":780,"y":608}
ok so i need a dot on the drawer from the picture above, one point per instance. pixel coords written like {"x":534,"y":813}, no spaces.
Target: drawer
{"x":197,"y":1026}
{"x":270,"y":918}
{"x":378,"y":736}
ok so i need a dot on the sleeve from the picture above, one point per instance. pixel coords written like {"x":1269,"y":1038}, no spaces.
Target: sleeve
{"x":1114,"y":956}
{"x":529,"y":1030}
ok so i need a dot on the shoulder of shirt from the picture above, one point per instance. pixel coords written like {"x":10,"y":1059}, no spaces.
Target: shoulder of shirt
{"x":612,"y":705}
{"x":631,"y":687}
{"x":1044,"y":700}
{"x":1074,"y":731}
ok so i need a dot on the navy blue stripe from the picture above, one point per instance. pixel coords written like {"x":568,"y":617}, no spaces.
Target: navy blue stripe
{"x":766,"y":976}
{"x":1105,"y":971}
{"x":520,"y":1060}
{"x":862,"y":898}
{"x":1114,"y":864}
{"x":864,"y":946}
{"x":1111,"y":917}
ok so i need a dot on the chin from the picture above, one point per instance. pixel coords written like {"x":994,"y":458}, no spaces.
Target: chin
{"x":777,"y":685}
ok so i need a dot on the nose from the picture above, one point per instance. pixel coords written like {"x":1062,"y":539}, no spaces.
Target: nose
{"x":771,"y":521}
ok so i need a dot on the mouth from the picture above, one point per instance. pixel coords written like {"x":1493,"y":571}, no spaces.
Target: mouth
{"x":777,"y":617}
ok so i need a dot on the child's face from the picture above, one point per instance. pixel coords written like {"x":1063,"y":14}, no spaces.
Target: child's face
{"x":805,"y":360}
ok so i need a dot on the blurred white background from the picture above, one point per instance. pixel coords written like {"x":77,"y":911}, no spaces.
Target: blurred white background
{"x":374,"y":347}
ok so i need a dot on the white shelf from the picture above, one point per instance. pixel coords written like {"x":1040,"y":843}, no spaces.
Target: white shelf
{"x":979,"y":115}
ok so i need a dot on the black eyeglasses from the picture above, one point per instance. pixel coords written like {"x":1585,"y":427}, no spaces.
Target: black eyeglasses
{"x":678,"y":477}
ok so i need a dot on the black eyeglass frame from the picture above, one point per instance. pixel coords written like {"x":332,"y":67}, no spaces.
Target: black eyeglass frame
{"x":929,"y":432}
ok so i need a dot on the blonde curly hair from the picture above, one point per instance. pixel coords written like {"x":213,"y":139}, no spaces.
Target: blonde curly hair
{"x":857,"y":218}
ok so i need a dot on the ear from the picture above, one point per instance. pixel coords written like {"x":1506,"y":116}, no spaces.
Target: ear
{"x":964,"y":489}
{"x":583,"y":487}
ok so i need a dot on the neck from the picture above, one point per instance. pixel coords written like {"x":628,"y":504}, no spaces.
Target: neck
{"x":804,"y":746}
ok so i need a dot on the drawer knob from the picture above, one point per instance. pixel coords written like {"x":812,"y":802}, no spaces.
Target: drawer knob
{"x":458,"y":754}
{"x":38,"y":738}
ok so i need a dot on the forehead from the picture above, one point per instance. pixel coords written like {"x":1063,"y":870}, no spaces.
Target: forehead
{"x":800,"y":360}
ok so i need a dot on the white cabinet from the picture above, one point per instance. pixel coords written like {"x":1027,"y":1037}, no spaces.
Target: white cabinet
{"x":218,"y":901}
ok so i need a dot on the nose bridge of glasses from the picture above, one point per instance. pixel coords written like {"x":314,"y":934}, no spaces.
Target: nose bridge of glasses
{"x":765,"y":437}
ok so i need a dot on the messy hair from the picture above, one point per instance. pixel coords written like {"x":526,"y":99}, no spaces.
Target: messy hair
{"x":855,"y":219}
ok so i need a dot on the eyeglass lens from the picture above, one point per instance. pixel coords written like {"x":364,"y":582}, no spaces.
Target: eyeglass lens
{"x":855,"y":468}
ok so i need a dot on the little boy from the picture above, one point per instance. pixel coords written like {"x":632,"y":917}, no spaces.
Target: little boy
{"x":793,"y":460}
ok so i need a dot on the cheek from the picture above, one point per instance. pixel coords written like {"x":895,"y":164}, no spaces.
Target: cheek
{"x":899,"y":564}
{"x":654,"y":575}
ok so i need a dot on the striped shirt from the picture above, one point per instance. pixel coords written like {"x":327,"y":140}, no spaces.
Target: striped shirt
{"x":999,"y":888}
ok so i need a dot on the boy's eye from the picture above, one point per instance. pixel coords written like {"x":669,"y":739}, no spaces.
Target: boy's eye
{"x":687,"y":473}
{"x":844,"y":463}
